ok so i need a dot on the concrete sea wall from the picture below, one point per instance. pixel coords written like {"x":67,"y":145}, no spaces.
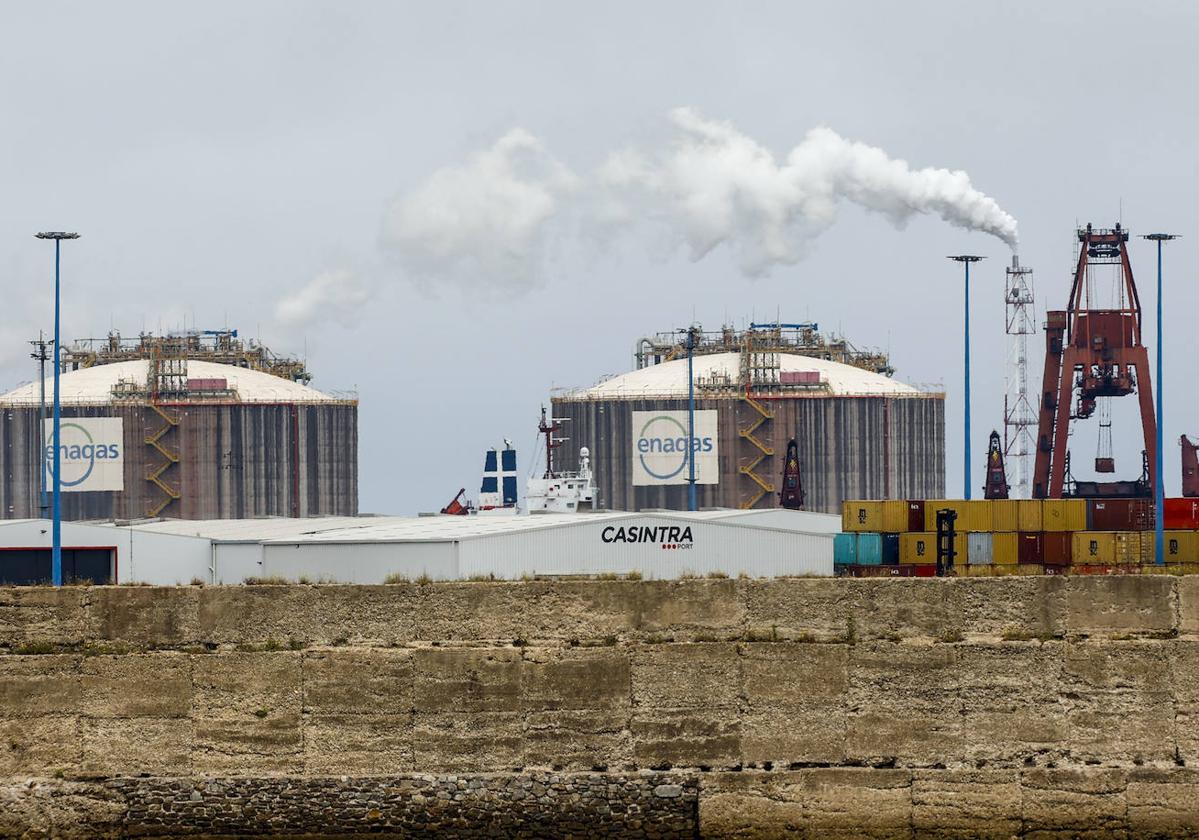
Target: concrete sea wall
{"x":1038,"y":707}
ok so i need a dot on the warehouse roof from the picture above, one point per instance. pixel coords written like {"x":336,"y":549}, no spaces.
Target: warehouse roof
{"x":670,"y":378}
{"x":94,"y":385}
{"x":384,"y":529}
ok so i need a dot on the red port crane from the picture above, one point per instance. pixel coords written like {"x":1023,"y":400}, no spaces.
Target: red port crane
{"x":1099,"y":353}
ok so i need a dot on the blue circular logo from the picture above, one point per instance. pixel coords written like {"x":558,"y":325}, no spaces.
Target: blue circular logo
{"x":682,"y":454}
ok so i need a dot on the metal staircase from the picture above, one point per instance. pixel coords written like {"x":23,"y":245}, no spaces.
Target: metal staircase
{"x":759,"y":452}
{"x":155,"y":475}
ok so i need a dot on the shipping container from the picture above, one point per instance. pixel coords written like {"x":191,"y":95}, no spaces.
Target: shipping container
{"x":978,"y":570}
{"x":890,"y":549}
{"x":924,"y":571}
{"x":799,"y":377}
{"x":845,"y":549}
{"x":1050,"y":569}
{"x":972,"y":516}
{"x":1092,"y":569}
{"x":870,"y":549}
{"x":1064,"y":515}
{"x":1005,"y":549}
{"x":915,"y":516}
{"x":1030,"y":548}
{"x":1028,"y":512}
{"x":1056,"y":548}
{"x":1005,"y":515}
{"x":1181,"y":514}
{"x":1129,"y":547}
{"x":916,"y":548}
{"x":1178,"y":547}
{"x":1094,"y":547}
{"x":863,"y":515}
{"x":979,"y":549}
{"x":895,"y":516}
{"x":1120,"y":515}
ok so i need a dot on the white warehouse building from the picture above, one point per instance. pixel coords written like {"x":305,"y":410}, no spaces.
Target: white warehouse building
{"x":369,"y":549}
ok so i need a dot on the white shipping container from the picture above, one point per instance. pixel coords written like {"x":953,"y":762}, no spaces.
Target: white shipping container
{"x":980,"y":549}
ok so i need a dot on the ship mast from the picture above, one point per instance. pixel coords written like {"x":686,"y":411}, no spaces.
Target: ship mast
{"x":547,"y":427}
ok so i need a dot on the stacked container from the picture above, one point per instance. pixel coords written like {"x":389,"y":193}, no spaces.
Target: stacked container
{"x":1010,"y":537}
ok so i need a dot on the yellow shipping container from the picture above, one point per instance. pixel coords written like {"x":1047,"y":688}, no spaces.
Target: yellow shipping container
{"x":895,"y":516}
{"x":1005,"y":549}
{"x":1094,"y":547}
{"x":1028,"y":515}
{"x":1005,"y":515}
{"x":862,"y":516}
{"x":1064,"y":515}
{"x":1128,"y":547}
{"x":972,"y":516}
{"x":921,"y":548}
{"x":1180,"y":547}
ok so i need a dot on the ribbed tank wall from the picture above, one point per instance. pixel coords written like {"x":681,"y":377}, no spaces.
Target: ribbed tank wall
{"x":849,"y":447}
{"x":235,"y":461}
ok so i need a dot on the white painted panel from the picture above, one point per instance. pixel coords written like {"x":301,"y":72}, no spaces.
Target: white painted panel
{"x":237,"y":561}
{"x":647,"y":544}
{"x":360,"y":562}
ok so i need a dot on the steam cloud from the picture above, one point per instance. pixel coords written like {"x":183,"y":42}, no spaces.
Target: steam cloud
{"x":494,"y":218}
{"x":340,"y":295}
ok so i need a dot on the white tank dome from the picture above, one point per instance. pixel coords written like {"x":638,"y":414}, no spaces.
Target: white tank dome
{"x":669,"y":379}
{"x":91,"y":386}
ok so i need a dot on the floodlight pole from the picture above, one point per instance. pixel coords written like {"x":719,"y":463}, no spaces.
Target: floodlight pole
{"x":39,"y":354}
{"x":691,"y":502}
{"x":1159,"y":492}
{"x":56,"y":529}
{"x":966,"y":259}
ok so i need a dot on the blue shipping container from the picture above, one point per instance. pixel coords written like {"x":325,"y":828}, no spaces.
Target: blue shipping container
{"x":870,"y":549}
{"x":845,"y":549}
{"x":890,"y":549}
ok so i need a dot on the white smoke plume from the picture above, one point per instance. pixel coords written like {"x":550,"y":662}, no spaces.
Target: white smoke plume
{"x":490,"y":220}
{"x":485,"y":220}
{"x":338,"y":295}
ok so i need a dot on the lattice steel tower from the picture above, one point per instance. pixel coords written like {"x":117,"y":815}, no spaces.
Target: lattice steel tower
{"x":1019,"y":418}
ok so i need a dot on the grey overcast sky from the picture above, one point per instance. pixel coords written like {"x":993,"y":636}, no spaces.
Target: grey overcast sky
{"x":218,"y":157}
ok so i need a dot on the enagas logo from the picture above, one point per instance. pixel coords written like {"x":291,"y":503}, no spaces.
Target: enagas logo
{"x":79,"y":454}
{"x":664,"y":435}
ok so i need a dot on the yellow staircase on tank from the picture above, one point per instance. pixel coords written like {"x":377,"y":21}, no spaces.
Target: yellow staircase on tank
{"x":764,"y":451}
{"x":154,"y":476}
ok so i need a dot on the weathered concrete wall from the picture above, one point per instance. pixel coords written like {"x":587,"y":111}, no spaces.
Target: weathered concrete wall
{"x":810,"y":707}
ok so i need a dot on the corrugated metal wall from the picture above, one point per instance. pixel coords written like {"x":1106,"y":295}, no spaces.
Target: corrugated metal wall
{"x":236,"y":461}
{"x":868,"y":447}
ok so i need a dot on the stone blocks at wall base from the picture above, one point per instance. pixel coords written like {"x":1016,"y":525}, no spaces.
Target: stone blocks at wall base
{"x":533,"y":805}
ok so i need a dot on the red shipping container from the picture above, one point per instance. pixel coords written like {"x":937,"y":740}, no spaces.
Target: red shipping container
{"x":1092,"y":569}
{"x":901,"y":571}
{"x":799,"y":377}
{"x":915,"y":516}
{"x":924,"y":570}
{"x":1181,"y":514}
{"x":1121,"y":515}
{"x":1029,"y":548}
{"x":1057,"y":547}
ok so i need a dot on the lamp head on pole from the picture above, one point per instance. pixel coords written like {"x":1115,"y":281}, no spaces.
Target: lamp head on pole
{"x":966,"y":258}
{"x":1161,"y":237}
{"x":56,"y":234}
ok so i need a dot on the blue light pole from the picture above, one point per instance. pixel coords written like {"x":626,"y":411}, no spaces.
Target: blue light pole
{"x":56,"y":530}
{"x":1159,"y":492}
{"x":967,"y":259}
{"x":691,"y":503}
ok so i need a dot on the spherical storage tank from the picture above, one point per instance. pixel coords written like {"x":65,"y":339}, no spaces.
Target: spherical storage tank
{"x":860,"y":434}
{"x":199,"y":440}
